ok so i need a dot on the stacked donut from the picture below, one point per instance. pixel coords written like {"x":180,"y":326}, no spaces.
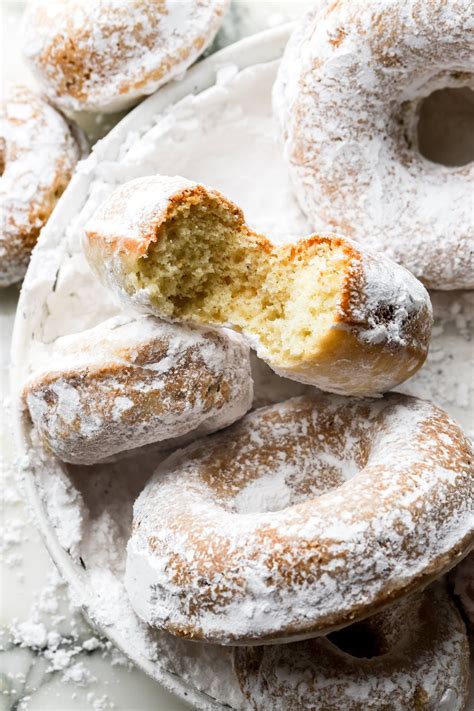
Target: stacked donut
{"x":87,"y":56}
{"x":39,"y":150}
{"x":311,"y":536}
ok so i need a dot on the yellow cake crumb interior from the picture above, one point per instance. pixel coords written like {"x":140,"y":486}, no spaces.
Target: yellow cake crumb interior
{"x":204,"y":267}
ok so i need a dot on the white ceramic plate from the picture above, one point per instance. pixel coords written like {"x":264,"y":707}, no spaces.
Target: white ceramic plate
{"x":214,"y":126}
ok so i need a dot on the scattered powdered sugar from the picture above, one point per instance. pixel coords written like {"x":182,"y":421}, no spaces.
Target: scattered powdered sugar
{"x":53,"y":640}
{"x":181,"y":142}
{"x":105,"y":506}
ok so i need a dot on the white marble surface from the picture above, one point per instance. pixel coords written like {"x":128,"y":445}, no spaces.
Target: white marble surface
{"x":50,"y":659}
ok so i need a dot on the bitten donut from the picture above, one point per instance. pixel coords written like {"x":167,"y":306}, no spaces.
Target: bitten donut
{"x":412,"y":657}
{"x":320,"y":310}
{"x":131,"y":382}
{"x":463,"y":587}
{"x":301,"y":518}
{"x":39,"y":150}
{"x":104,"y":56}
{"x":347,"y":100}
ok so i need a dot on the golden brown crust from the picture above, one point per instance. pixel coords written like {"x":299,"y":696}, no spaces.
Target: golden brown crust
{"x":127,"y":384}
{"x":40,"y":149}
{"x":104,"y":56}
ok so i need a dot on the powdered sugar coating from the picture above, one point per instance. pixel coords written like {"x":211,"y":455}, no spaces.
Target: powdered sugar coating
{"x":104,"y":55}
{"x":144,"y":203}
{"x":132,"y":382}
{"x":347,"y":100}
{"x":38,"y":153}
{"x":301,"y":518}
{"x":381,"y":323}
{"x":420,"y":661}
{"x":386,"y":308}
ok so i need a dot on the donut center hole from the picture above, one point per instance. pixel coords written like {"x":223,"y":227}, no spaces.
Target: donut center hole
{"x":290,"y":456}
{"x":359,"y":640}
{"x":446,"y":127}
{"x":293,"y":483}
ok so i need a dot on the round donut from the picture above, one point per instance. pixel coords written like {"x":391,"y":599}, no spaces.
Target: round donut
{"x":302,"y":517}
{"x":347,"y":100}
{"x":39,"y":150}
{"x":412,"y":657}
{"x":131,"y":382}
{"x":463,"y":587}
{"x":104,"y":56}
{"x":319,"y":310}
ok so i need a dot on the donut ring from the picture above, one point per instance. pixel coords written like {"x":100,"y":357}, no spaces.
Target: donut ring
{"x":39,"y":150}
{"x":347,"y":100}
{"x":411,"y":657}
{"x":301,"y":518}
{"x":104,"y":56}
{"x":320,"y":310}
{"x":132,"y":382}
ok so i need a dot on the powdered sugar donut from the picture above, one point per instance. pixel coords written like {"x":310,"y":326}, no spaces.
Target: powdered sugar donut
{"x":104,"y":56}
{"x":301,"y":518}
{"x":39,"y":150}
{"x":413,"y":656}
{"x":132,"y":382}
{"x":319,"y":310}
{"x":347,"y":99}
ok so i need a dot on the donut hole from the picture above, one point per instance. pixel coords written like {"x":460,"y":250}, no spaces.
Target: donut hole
{"x":360,"y":640}
{"x":446,"y":127}
{"x":381,"y":633}
{"x":288,"y":458}
{"x":207,"y":267}
{"x":289,"y":485}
